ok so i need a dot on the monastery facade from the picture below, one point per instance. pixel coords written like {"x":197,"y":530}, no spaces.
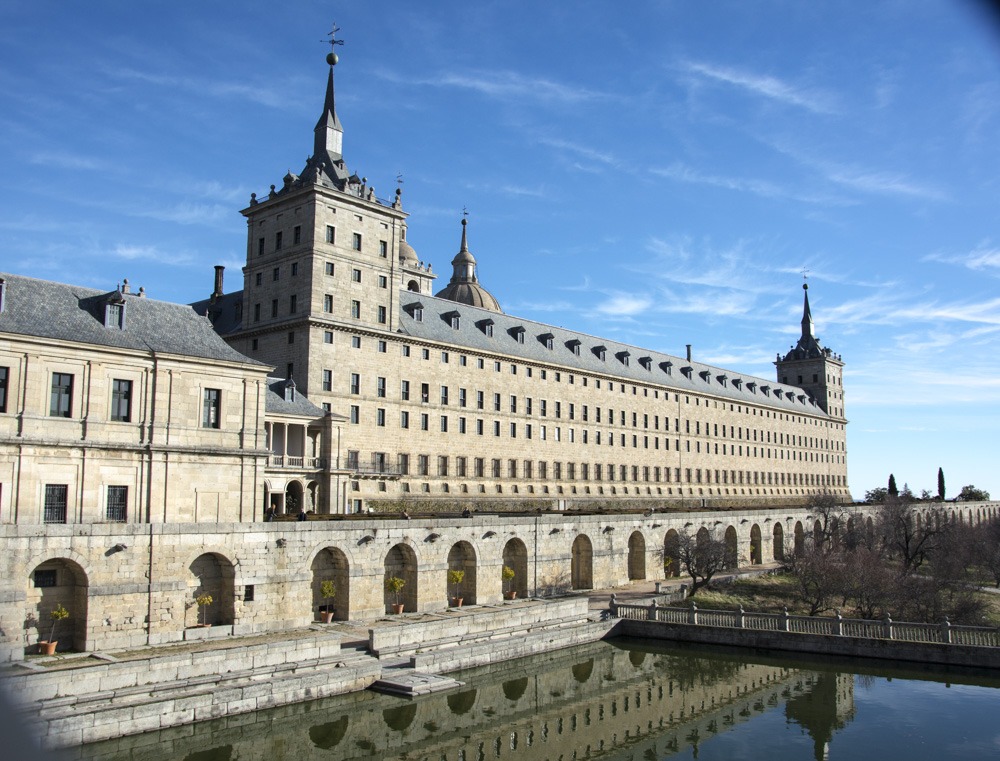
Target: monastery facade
{"x":449,"y":400}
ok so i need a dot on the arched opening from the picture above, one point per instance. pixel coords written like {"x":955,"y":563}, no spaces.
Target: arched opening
{"x":401,"y":563}
{"x":732,"y":547}
{"x":462,"y":557}
{"x":582,"y":563}
{"x":636,"y":556}
{"x":817,"y":534}
{"x":313,"y":496}
{"x":330,"y":564}
{"x":53,"y":583}
{"x":778,"y":545}
{"x":293,"y":498}
{"x":755,"y":545}
{"x":213,"y":575}
{"x":800,"y":540}
{"x":515,"y":557}
{"x":414,"y":286}
{"x":671,"y":555}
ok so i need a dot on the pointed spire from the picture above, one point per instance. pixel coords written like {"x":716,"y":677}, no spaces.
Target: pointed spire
{"x":329,"y":131}
{"x":807,"y":319}
{"x":464,"y":263}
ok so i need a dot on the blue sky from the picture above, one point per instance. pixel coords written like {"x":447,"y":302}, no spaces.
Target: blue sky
{"x":660,"y":173}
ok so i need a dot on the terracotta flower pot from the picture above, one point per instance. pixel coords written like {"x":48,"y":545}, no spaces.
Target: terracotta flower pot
{"x":327,"y":616}
{"x":397,"y":608}
{"x":512,"y":595}
{"x":456,"y":602}
{"x":47,"y":648}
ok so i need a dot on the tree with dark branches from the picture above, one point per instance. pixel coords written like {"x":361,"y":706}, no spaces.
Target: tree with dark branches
{"x":701,"y":557}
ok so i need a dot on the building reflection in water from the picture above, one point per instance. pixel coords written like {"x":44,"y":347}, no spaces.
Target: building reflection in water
{"x":611,"y":700}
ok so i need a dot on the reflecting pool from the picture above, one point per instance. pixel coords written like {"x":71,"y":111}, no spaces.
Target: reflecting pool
{"x":624,"y":699}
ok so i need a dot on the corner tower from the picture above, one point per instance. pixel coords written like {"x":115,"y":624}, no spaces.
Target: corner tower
{"x":813,"y":368}
{"x":325,"y":259}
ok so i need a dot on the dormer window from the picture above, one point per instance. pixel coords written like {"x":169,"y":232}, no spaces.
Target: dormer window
{"x":601,"y":352}
{"x":722,"y":379}
{"x":574,"y":346}
{"x":623,"y":357}
{"x":416,"y":310}
{"x":705,"y":375}
{"x":738,"y":382}
{"x":667,"y":367}
{"x":646,"y":362}
{"x":114,"y":312}
{"x":686,"y":371}
{"x":487,"y":327}
{"x":517,"y":333}
{"x":548,"y":340}
{"x":453,"y":319}
{"x":3,"y":294}
{"x":752,"y":386}
{"x":766,"y":390}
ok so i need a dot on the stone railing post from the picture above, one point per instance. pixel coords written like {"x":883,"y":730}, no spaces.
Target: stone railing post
{"x":651,"y":611}
{"x":613,"y":606}
{"x":887,"y":624}
{"x":838,"y":626}
{"x":784,"y":619}
{"x":946,"y":631}
{"x":693,"y":613}
{"x":659,"y":587}
{"x":740,"y":618}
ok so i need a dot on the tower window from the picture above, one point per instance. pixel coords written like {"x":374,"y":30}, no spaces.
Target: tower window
{"x":331,"y":235}
{"x":356,"y":241}
{"x":296,"y":237}
{"x":277,"y":241}
{"x":383,"y":249}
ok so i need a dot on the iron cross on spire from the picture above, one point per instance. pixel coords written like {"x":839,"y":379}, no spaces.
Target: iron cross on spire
{"x":333,"y":41}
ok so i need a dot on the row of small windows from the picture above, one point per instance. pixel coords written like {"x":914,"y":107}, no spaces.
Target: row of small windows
{"x":61,"y":398}
{"x":54,"y":510}
{"x":330,"y":237}
{"x":512,"y":468}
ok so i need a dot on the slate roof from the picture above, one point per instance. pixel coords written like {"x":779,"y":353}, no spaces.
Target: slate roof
{"x":224,"y":313}
{"x":644,"y":366}
{"x":45,"y":309}
{"x":275,"y":402}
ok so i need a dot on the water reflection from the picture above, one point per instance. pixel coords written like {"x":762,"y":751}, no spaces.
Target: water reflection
{"x":606,"y":700}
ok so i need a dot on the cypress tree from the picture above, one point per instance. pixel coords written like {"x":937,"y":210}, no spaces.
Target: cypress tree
{"x":940,"y":484}
{"x":893,"y":491}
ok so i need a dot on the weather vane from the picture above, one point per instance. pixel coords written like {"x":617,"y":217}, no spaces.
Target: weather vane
{"x":399,"y":178}
{"x":331,"y":57}
{"x":465,"y":212}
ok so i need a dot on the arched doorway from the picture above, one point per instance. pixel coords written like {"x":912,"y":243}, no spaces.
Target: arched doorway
{"x":293,"y":498}
{"x":636,"y":556}
{"x":330,"y":564}
{"x":778,"y":545}
{"x":671,"y":554}
{"x":515,"y":557}
{"x":462,"y":557}
{"x":582,"y":563}
{"x":53,"y":583}
{"x":211,"y":574}
{"x":755,"y":545}
{"x":313,"y":496}
{"x":732,"y":547}
{"x":800,"y":540}
{"x":401,"y":562}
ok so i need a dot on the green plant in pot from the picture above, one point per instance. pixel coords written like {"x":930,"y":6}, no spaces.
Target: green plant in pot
{"x":327,"y":591}
{"x":204,"y":601}
{"x":48,"y":647}
{"x":394,"y":585}
{"x":455,"y":579}
{"x":507,"y":576}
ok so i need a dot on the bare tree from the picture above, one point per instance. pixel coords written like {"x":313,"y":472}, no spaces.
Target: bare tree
{"x":701,"y":557}
{"x":908,"y":538}
{"x":820,"y":579}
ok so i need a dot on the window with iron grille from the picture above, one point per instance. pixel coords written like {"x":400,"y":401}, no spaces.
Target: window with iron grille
{"x":55,"y":503}
{"x":45,"y":578}
{"x":117,"y":504}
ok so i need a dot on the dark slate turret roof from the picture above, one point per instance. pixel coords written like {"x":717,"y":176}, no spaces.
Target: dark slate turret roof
{"x":464,"y":287}
{"x":808,"y":346}
{"x":621,"y":362}
{"x":44,"y":309}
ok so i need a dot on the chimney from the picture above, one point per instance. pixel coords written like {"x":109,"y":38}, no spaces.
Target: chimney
{"x":688,"y":351}
{"x":219,"y":270}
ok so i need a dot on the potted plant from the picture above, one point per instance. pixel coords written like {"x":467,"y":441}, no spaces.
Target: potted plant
{"x":507,"y":576}
{"x":48,"y":647}
{"x":204,"y":600}
{"x":455,"y":578}
{"x":327,"y":591}
{"x":394,"y":585}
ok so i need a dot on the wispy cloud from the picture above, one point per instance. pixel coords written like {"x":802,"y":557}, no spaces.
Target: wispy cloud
{"x":68,"y":161}
{"x":146,"y":253}
{"x":623,"y":305}
{"x":582,"y":151}
{"x":875,"y":181}
{"x":502,"y":84}
{"x":684,"y":173}
{"x":274,"y":96}
{"x":984,"y":258}
{"x":810,"y":98}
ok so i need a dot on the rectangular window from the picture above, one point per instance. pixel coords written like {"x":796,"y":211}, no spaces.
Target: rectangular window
{"x":355,"y":383}
{"x":61,"y":402}
{"x":404,"y":390}
{"x":328,"y":303}
{"x":380,"y":417}
{"x":275,"y":274}
{"x":210,"y":408}
{"x":356,"y":310}
{"x":45,"y":578}
{"x":383,"y":249}
{"x":328,"y":380}
{"x":121,"y":400}
{"x":277,"y":241}
{"x":444,"y":394}
{"x":460,"y":467}
{"x":331,"y":237}
{"x":293,"y":303}
{"x":355,"y":276}
{"x":478,"y":465}
{"x":442,"y":465}
{"x":256,"y":312}
{"x":355,"y":342}
{"x":355,"y":414}
{"x":258,"y":279}
{"x":444,"y":424}
{"x":55,"y":503}
{"x":404,"y":419}
{"x":380,"y":387}
{"x":424,"y":421}
{"x":356,"y":241}
{"x":383,"y":281}
{"x":117,"y":509}
{"x":296,"y":239}
{"x":274,"y":308}
{"x":422,"y":462}
{"x":328,"y":337}
{"x":382,"y":347}
{"x":260,"y":246}
{"x":404,"y":464}
{"x":381,"y":315}
{"x":4,"y":381}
